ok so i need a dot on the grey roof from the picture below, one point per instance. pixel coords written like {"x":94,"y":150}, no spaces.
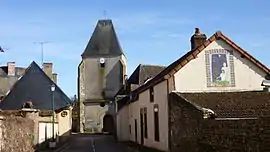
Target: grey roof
{"x":103,"y":41}
{"x":144,"y":72}
{"x":34,"y":86}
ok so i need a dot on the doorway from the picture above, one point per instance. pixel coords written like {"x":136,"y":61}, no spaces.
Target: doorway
{"x":108,"y":124}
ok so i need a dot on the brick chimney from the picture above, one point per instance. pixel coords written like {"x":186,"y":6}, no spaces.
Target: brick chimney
{"x":47,"y":68}
{"x":197,"y":39}
{"x":11,"y":68}
{"x":54,"y":78}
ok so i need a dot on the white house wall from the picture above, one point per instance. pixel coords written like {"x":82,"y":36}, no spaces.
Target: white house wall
{"x":160,"y":98}
{"x":123,"y":133}
{"x":193,"y":76}
{"x":65,"y":123}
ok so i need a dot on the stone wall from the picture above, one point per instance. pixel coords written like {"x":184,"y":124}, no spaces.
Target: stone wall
{"x":184,"y":120}
{"x":1,"y":133}
{"x":235,"y":135}
{"x":17,"y":134}
{"x":189,"y":132}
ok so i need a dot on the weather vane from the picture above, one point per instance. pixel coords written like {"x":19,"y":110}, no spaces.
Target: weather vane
{"x":105,"y":14}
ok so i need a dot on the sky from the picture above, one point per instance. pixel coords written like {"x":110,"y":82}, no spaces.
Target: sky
{"x":150,"y":31}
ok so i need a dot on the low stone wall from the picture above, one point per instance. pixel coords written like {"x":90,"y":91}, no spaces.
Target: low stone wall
{"x":235,"y":135}
{"x":189,"y":132}
{"x":1,"y":133}
{"x":17,"y":134}
{"x":184,"y":120}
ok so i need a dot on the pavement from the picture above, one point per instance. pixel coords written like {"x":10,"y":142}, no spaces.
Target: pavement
{"x":93,"y":143}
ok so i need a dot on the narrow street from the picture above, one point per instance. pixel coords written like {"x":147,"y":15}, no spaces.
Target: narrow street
{"x":94,"y":143}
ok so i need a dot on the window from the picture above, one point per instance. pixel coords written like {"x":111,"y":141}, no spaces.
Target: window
{"x":135,"y":127}
{"x":156,"y":122}
{"x":151,"y":94}
{"x":145,"y":123}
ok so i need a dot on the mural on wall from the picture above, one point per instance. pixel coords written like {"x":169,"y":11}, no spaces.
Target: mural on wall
{"x":220,"y":68}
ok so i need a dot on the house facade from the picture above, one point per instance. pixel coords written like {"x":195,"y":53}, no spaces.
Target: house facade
{"x":36,"y":91}
{"x":100,"y":75}
{"x":215,"y":64}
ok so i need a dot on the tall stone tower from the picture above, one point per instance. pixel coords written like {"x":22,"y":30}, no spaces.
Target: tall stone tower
{"x":100,"y":76}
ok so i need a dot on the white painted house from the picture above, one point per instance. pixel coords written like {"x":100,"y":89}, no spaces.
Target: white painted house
{"x":216,"y":64}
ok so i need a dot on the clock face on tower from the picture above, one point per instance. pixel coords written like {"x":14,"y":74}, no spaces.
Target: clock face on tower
{"x":102,"y":60}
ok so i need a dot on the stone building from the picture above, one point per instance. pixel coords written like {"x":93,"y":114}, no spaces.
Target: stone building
{"x":101,"y":74}
{"x":9,"y":74}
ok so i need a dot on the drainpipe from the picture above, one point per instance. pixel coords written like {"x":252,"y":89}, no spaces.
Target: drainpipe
{"x":169,"y":117}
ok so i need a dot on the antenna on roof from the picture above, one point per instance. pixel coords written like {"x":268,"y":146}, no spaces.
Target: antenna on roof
{"x":41,"y":44}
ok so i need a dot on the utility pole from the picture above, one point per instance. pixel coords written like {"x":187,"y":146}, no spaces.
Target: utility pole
{"x":41,"y":44}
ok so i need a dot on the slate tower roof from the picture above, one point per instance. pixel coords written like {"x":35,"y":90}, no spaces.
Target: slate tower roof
{"x":34,"y":86}
{"x":103,"y":41}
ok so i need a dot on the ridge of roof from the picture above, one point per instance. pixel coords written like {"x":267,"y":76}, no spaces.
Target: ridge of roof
{"x":153,"y":65}
{"x":190,"y":102}
{"x":192,"y":54}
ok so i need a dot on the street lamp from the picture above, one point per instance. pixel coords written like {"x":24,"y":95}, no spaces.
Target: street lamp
{"x":266,"y":84}
{"x":155,"y":109}
{"x":52,"y":90}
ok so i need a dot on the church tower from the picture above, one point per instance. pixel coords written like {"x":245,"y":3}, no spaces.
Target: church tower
{"x":100,"y":76}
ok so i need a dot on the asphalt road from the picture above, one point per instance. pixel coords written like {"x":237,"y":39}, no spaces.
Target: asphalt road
{"x":94,"y":143}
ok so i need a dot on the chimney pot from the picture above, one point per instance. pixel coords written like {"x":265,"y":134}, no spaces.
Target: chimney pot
{"x":55,"y":78}
{"x":197,"y":31}
{"x":197,"y":39}
{"x":11,"y":68}
{"x":47,"y":68}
